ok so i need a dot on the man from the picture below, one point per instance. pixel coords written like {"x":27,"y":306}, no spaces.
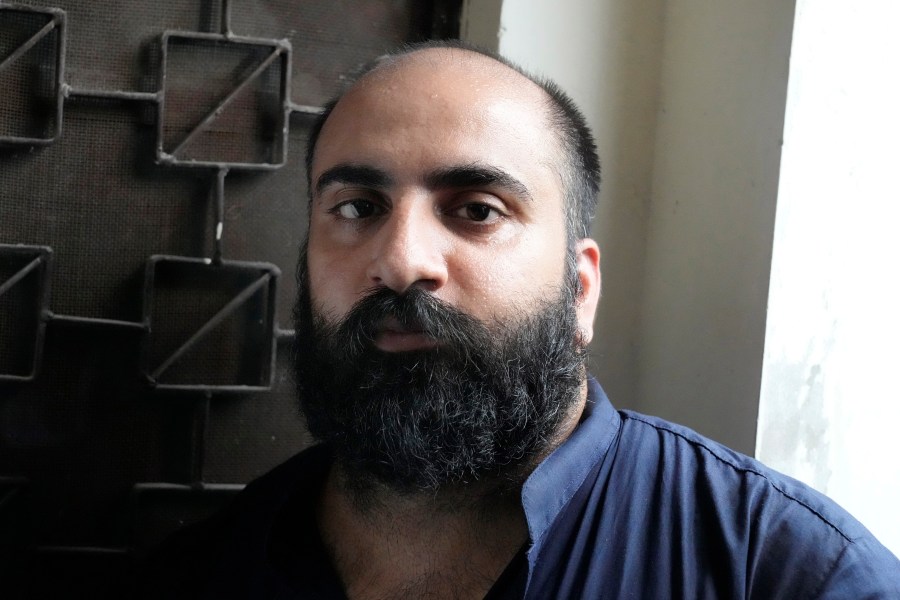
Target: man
{"x":447,"y":291}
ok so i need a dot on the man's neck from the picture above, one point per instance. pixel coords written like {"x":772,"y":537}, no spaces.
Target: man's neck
{"x":449,"y":545}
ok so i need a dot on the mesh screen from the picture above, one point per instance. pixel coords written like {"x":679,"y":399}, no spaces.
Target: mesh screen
{"x":331,"y":39}
{"x":97,"y":198}
{"x":76,"y":439}
{"x":112,"y":44}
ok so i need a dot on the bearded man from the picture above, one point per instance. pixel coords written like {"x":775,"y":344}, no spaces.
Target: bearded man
{"x":447,"y":291}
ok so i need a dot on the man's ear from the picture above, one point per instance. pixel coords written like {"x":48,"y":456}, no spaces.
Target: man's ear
{"x":587,"y":257}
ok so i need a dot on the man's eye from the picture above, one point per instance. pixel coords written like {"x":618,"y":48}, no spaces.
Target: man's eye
{"x":357,"y":209}
{"x":477,"y":212}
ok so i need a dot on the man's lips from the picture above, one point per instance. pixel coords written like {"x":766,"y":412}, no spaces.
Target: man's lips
{"x":392,"y":336}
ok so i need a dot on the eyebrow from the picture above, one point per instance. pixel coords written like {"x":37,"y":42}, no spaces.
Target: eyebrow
{"x":476,"y":176}
{"x":349,"y":174}
{"x":462,"y":176}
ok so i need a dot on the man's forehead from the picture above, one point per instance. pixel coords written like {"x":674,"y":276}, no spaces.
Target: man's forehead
{"x":451,"y":92}
{"x":457,"y":73}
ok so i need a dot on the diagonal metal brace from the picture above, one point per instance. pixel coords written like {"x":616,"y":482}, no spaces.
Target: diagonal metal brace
{"x":19,"y":276}
{"x":212,"y":115}
{"x":220,"y":316}
{"x":29,"y":43}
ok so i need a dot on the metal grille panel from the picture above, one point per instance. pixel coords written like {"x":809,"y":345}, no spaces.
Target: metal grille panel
{"x":162,"y":138}
{"x":223,"y":101}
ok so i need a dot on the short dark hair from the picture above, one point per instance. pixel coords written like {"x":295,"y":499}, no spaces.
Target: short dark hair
{"x":580,"y":172}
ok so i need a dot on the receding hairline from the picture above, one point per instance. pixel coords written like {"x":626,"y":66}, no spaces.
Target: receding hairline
{"x":464,"y":57}
{"x":454,"y":55}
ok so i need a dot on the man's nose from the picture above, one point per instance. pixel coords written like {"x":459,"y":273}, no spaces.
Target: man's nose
{"x":408,"y":251}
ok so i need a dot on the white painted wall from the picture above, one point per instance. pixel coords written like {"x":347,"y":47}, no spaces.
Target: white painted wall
{"x":715,"y":178}
{"x":606,"y":54}
{"x":830,"y":401}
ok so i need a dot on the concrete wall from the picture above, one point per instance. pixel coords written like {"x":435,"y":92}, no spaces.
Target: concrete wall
{"x":830,"y":402}
{"x":686,"y":98}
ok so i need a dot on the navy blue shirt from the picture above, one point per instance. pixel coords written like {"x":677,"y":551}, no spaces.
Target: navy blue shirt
{"x":629,"y":506}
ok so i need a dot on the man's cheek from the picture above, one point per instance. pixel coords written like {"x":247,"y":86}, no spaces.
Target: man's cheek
{"x":328,"y":291}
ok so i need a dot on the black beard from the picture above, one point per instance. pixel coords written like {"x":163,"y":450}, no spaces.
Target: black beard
{"x":482,"y":404}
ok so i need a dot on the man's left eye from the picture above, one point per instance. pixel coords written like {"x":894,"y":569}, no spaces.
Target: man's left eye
{"x":357,"y":209}
{"x":481,"y":213}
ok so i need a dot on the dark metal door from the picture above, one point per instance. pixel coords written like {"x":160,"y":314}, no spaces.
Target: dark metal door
{"x":152,"y":198}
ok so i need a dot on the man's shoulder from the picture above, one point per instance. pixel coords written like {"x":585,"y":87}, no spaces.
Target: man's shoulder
{"x":770,"y":522}
{"x":685,"y":451}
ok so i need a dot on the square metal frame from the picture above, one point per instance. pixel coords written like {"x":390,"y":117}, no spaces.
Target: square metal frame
{"x":268,"y":277}
{"x":41,"y":258}
{"x":281,"y":50}
{"x":57,"y":21}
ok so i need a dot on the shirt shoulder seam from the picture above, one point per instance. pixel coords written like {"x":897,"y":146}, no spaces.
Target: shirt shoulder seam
{"x":699,"y":442}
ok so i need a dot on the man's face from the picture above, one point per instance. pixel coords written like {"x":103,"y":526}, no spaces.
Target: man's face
{"x":440,"y":176}
{"x":441,"y":317}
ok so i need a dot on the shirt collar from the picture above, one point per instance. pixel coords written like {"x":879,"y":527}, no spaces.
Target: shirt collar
{"x":553,"y":483}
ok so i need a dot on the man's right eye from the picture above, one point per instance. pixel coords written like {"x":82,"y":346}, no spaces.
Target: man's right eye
{"x":357,"y":209}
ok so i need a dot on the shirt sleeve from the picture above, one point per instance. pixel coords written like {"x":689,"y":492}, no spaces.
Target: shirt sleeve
{"x":865,"y":570}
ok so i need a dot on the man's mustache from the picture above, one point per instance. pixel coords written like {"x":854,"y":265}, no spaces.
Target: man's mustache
{"x":415,"y":310}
